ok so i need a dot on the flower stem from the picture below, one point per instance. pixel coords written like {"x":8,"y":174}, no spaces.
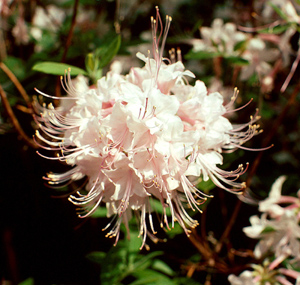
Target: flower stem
{"x":14,"y":120}
{"x":16,"y":82}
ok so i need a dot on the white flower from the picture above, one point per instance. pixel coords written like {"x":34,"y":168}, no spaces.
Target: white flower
{"x":258,"y":57}
{"x":266,"y":274}
{"x":220,"y":38}
{"x":20,"y":32}
{"x":245,"y":278}
{"x":280,"y":236}
{"x":47,"y":18}
{"x":139,"y":136}
{"x":270,"y":204}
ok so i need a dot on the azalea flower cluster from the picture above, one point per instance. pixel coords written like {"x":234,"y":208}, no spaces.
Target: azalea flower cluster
{"x":140,"y":137}
{"x":278,"y":231}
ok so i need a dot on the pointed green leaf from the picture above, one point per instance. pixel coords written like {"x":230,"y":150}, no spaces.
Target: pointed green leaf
{"x":237,"y":60}
{"x":275,"y":30}
{"x":97,"y":256}
{"x":278,"y":11}
{"x":151,"y":277}
{"x":162,"y":267}
{"x":56,"y":68}
{"x":107,"y":53}
{"x":202,"y":55}
{"x":28,"y":281}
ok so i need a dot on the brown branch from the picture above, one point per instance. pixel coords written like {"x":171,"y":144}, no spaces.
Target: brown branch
{"x":67,"y":45}
{"x":117,"y":18}
{"x":70,"y":34}
{"x":202,"y":248}
{"x":14,"y":120}
{"x":229,"y":226}
{"x":17,"y":83}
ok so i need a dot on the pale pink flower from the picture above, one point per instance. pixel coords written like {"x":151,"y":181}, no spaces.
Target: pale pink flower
{"x":278,"y":228}
{"x":265,"y":274}
{"x":138,"y":137}
{"x":220,"y":38}
{"x":259,"y":58}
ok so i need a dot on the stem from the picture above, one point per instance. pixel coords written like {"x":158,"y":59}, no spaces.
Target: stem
{"x":117,"y":18}
{"x":14,"y":120}
{"x":202,"y":248}
{"x":17,"y":83}
{"x":67,"y":45}
{"x":70,"y":34}
{"x":228,"y":227}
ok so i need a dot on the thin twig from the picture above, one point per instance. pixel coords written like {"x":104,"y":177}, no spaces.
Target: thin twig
{"x":14,"y":120}
{"x":67,"y":45}
{"x":70,"y":34}
{"x":17,"y":83}
{"x":229,"y":226}
{"x":202,"y":248}
{"x":117,"y":18}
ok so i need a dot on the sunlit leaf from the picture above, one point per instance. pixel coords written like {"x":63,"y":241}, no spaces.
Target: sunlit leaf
{"x":56,"y":68}
{"x":202,"y":55}
{"x":100,"y":212}
{"x":151,"y":277}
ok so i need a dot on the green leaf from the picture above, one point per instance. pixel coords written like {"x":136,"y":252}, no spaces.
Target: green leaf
{"x":275,"y":30}
{"x":28,"y":281}
{"x":151,"y":277}
{"x":97,"y":256}
{"x":56,"y":68}
{"x":240,"y":45}
{"x":268,"y":229}
{"x":16,"y":65}
{"x":278,"y":11}
{"x":158,"y":208}
{"x":237,"y":60}
{"x":176,"y":230}
{"x":100,"y":212}
{"x":205,"y":186}
{"x":106,"y":54}
{"x":146,"y":261}
{"x":162,"y":267}
{"x":202,"y":55}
